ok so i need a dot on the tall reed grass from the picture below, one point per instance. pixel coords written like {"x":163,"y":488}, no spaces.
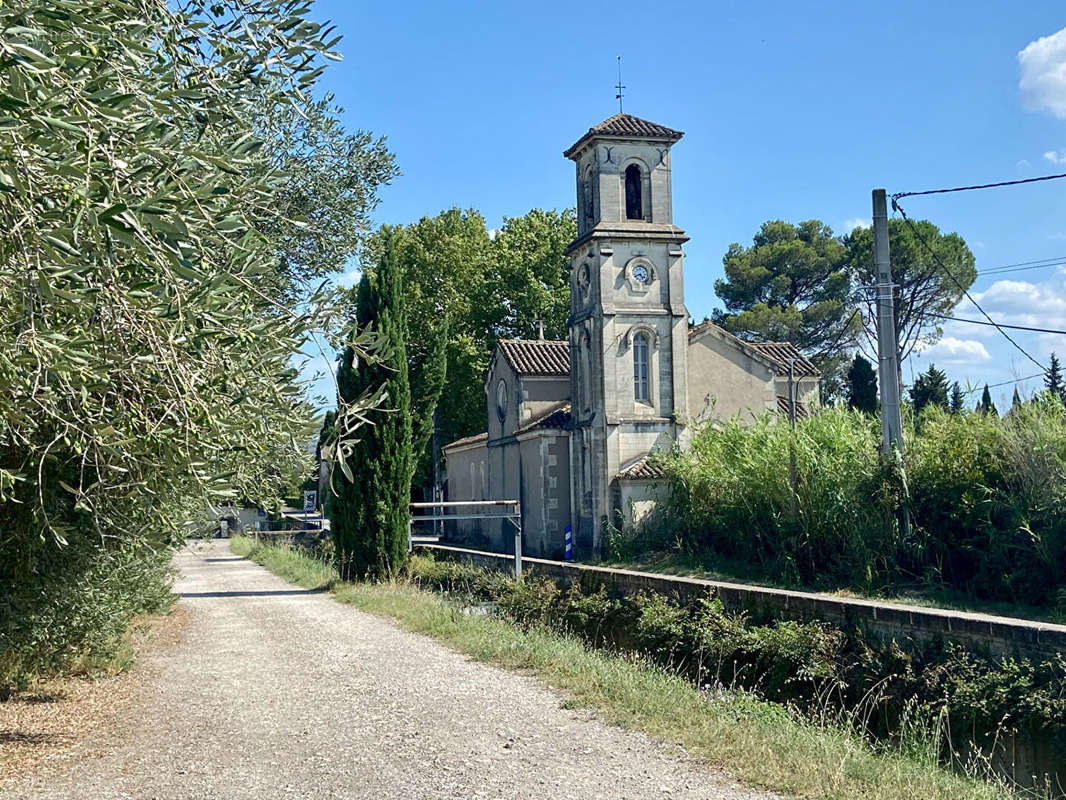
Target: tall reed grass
{"x":986,"y":498}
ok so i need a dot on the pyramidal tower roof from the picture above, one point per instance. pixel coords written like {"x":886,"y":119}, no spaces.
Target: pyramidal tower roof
{"x":627,"y":126}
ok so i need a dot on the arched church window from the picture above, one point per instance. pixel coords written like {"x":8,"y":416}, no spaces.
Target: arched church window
{"x":634,"y":202}
{"x":640,"y":368}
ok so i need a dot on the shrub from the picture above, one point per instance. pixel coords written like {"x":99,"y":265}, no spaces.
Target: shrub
{"x":987,"y":499}
{"x":877,"y":687}
{"x":75,"y":617}
{"x":731,"y":494}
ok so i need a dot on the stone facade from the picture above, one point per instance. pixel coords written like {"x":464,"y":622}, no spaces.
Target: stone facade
{"x":571,"y":424}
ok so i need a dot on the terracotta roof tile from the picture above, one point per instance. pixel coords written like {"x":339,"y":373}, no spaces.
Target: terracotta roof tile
{"x":778,"y":353}
{"x":642,"y":469}
{"x":537,"y":357}
{"x":782,"y":353}
{"x":555,"y":418}
{"x":628,"y":125}
{"x":802,"y":412}
{"x":467,"y":440}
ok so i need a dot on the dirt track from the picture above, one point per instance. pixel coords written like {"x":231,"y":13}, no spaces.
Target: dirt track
{"x":277,"y":692}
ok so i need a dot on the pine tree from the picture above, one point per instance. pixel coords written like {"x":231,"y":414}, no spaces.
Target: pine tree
{"x":930,"y":389}
{"x":1016,"y":401}
{"x":861,"y":386}
{"x":1053,"y":379}
{"x":986,"y":406}
{"x":956,"y":400}
{"x":370,"y":512}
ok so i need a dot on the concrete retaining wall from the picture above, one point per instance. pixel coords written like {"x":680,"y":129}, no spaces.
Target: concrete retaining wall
{"x":1001,"y":636}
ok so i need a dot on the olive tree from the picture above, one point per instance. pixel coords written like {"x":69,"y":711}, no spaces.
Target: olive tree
{"x":145,"y":345}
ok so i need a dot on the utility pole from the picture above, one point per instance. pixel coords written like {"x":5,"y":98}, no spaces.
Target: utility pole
{"x":792,"y":480}
{"x":887,"y":344}
{"x":888,"y":377}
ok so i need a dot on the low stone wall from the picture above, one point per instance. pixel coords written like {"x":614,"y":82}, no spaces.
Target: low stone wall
{"x":1001,"y":636}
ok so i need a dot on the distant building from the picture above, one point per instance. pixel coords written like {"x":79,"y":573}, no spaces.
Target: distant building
{"x":571,"y":424}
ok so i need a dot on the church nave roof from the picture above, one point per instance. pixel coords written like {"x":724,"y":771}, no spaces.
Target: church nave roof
{"x":537,"y":356}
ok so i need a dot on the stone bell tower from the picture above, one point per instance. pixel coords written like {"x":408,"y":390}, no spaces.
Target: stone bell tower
{"x":628,"y":321}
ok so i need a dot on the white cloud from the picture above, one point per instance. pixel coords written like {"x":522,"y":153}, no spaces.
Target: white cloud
{"x":856,"y":222}
{"x":1056,"y":156}
{"x":350,"y":278}
{"x":1022,"y":303}
{"x":1043,"y":74}
{"x":1023,"y":164}
{"x":956,"y":351}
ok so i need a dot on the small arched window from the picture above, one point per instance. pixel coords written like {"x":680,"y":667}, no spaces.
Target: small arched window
{"x":634,"y":202}
{"x":640,"y":368}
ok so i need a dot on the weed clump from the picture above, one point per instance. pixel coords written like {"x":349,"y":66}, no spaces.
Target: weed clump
{"x":944,"y":699}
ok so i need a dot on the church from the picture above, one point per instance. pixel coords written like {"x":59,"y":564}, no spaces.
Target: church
{"x":571,"y":424}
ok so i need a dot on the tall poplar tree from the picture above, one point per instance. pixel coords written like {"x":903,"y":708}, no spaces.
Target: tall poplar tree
{"x":370,"y":512}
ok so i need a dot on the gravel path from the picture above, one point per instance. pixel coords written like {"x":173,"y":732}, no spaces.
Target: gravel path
{"x":276,"y":692}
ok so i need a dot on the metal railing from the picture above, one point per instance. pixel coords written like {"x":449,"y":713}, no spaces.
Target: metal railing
{"x":438,"y":514}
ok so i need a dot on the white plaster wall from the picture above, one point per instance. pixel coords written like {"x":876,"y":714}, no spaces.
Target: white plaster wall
{"x":539,"y":394}
{"x":640,"y":498}
{"x":724,"y":382}
{"x":467,"y":471}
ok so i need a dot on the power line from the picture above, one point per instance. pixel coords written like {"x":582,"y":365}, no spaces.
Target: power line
{"x":914,"y":229}
{"x":1020,"y":269}
{"x":900,"y":195}
{"x":1004,"y":383}
{"x":997,"y":324}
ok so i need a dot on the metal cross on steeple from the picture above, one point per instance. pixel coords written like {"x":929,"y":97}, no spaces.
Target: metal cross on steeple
{"x":619,"y":86}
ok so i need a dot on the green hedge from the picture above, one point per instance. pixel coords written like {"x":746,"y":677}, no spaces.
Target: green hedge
{"x":987,"y":499}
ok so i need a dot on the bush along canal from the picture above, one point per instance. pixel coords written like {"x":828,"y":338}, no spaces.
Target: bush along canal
{"x":981,"y":713}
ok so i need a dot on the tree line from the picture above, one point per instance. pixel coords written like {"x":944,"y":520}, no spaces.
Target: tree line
{"x":439,"y":293}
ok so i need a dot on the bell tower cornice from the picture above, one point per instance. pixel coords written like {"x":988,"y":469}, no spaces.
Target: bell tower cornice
{"x":621,"y":231}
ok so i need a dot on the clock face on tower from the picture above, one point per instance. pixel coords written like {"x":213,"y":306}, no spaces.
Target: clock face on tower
{"x":640,"y":273}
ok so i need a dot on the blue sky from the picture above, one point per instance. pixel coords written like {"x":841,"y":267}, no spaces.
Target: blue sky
{"x":791,"y":111}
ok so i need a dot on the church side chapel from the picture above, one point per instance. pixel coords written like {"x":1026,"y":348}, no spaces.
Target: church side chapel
{"x":571,"y":424}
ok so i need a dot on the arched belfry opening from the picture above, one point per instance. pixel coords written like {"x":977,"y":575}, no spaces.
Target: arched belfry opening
{"x":634,"y":201}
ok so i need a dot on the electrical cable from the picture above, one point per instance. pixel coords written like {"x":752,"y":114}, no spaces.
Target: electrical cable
{"x":914,"y":229}
{"x":900,"y":195}
{"x":997,"y":324}
{"x":1004,"y":270}
{"x":1005,"y":383}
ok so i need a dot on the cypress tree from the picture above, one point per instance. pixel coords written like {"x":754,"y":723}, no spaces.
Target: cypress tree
{"x":370,"y":513}
{"x":1053,"y":379}
{"x":956,"y":400}
{"x":862,"y":386}
{"x":986,"y":406}
{"x":1016,"y":401}
{"x":930,"y":389}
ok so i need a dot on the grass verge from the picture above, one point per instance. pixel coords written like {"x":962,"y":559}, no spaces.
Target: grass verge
{"x":760,"y":743}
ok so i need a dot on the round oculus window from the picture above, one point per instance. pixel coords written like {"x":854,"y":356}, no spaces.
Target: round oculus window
{"x":501,"y":400}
